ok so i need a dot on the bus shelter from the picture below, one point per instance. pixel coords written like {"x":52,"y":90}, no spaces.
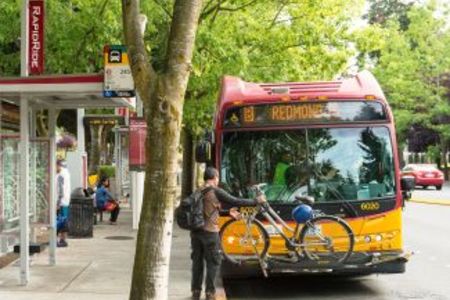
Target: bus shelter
{"x":47,"y":93}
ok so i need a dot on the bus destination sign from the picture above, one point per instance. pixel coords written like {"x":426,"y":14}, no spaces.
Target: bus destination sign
{"x":304,"y":113}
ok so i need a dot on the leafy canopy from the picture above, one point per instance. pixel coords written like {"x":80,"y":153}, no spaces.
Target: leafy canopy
{"x":75,"y":32}
{"x":411,"y":66}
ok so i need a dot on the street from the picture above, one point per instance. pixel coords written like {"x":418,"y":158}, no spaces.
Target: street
{"x":432,"y":193}
{"x":426,"y":229}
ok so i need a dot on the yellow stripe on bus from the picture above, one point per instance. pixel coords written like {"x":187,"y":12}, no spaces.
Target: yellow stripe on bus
{"x":372,"y":233}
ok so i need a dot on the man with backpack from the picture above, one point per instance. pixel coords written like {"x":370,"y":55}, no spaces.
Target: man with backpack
{"x":205,"y":241}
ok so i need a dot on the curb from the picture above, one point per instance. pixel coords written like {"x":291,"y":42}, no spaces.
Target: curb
{"x":430,"y":201}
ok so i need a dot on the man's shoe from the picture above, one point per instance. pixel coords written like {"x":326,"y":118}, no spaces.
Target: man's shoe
{"x":196,"y":295}
{"x":210,"y":296}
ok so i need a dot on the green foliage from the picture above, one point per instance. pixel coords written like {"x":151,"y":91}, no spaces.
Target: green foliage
{"x":9,"y":37}
{"x":75,"y":33}
{"x":409,"y":68}
{"x":433,"y":153}
{"x":380,"y":12}
{"x":407,"y":45}
{"x":106,"y":171}
{"x":267,"y":41}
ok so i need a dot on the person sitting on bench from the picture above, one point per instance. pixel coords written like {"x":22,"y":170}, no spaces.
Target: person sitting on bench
{"x":105,"y":201}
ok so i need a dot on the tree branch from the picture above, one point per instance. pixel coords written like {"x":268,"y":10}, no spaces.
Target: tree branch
{"x":143,"y":72}
{"x":280,"y":10}
{"x":238,"y":7}
{"x":205,"y":9}
{"x":91,"y":30}
{"x":219,"y":7}
{"x":206,"y":12}
{"x":182,"y":38}
{"x":165,"y":9}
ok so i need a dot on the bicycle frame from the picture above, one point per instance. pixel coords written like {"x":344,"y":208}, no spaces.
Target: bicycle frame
{"x":272,"y":217}
{"x":297,"y":244}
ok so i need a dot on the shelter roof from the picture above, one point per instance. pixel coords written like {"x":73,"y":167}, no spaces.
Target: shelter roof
{"x":60,"y":91}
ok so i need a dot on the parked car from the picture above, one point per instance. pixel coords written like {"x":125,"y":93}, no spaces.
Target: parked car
{"x":425,"y":175}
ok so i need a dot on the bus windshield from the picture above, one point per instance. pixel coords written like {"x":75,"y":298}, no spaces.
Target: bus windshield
{"x":330,"y":164}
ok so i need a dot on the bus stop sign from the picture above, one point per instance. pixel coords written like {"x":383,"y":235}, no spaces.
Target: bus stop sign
{"x":118,"y":81}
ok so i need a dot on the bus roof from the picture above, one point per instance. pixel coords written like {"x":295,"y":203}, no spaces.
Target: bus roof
{"x":235,"y":91}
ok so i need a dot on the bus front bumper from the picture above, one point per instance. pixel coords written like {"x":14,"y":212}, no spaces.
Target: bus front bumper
{"x":359,"y":264}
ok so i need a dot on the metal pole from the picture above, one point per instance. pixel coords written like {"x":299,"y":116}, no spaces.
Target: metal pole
{"x":136,"y":182}
{"x":33,"y":153}
{"x":24,"y":195}
{"x":52,"y":213}
{"x":118,"y":162}
{"x":24,"y":39}
{"x":81,"y":146}
{"x":24,"y":168}
{"x":80,"y":130}
{"x":134,"y":199}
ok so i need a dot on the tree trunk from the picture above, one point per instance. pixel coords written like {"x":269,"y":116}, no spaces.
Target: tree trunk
{"x":188,"y":164}
{"x":401,"y":157}
{"x":42,"y":124}
{"x":444,"y":157}
{"x":106,"y":157}
{"x":95,"y":148}
{"x":163,"y":96}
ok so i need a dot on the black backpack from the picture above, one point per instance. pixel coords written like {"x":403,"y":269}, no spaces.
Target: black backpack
{"x":189,"y":214}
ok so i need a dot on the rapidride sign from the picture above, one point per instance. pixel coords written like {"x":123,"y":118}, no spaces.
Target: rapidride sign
{"x":36,"y":37}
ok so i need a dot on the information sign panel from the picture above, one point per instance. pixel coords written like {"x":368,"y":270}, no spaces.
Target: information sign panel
{"x":36,"y":37}
{"x":118,"y":81}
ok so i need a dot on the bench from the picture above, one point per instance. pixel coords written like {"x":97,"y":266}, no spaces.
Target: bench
{"x":98,"y":214}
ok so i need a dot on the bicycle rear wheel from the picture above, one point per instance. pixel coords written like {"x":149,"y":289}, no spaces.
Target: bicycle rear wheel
{"x":241,"y":243}
{"x":327,"y":239}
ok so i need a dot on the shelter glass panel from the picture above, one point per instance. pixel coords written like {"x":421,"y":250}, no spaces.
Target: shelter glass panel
{"x":39,"y":181}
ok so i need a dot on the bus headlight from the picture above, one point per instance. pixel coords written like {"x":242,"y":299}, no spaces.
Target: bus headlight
{"x":378,"y":238}
{"x":367,"y":239}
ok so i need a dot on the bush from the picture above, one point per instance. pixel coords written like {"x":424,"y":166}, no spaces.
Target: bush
{"x":106,"y":170}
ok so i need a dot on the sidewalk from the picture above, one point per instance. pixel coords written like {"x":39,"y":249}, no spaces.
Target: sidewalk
{"x":96,"y":268}
{"x":92,"y":268}
{"x":180,"y":268}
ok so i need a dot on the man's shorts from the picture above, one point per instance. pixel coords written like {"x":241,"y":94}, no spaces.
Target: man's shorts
{"x":64,"y":211}
{"x":61,"y":219}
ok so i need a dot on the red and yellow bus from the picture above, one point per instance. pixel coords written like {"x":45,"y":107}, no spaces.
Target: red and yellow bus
{"x":343,"y":132}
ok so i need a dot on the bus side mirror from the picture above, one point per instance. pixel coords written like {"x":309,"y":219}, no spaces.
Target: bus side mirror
{"x":407,"y":183}
{"x":203,"y":152}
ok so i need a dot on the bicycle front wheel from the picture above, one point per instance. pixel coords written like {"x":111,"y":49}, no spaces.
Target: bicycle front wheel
{"x":327,"y":239}
{"x":242,"y":241}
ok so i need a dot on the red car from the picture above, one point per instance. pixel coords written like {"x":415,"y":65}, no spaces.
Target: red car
{"x":425,"y":175}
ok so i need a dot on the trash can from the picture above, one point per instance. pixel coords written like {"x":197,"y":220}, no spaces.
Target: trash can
{"x":81,"y":210}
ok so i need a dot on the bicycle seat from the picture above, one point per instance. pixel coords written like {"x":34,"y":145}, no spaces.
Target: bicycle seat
{"x":308,"y":200}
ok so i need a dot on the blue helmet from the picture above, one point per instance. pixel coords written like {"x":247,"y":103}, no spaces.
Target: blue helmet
{"x":302,"y":213}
